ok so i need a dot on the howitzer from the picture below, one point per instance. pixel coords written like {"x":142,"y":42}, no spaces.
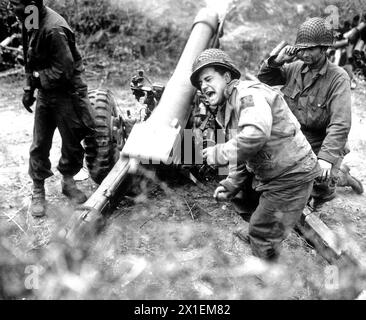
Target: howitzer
{"x":154,"y":140}
{"x":171,"y":114}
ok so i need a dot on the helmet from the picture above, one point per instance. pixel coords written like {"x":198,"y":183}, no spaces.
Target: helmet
{"x":213,"y":57}
{"x":313,"y":33}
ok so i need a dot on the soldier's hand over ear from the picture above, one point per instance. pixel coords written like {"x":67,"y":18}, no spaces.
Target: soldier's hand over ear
{"x":326,"y":169}
{"x":28,"y":100}
{"x":287,"y":54}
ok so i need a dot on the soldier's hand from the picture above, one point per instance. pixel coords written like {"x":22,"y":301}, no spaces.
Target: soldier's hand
{"x":209,"y":154}
{"x":287,"y":54}
{"x":222,"y":194}
{"x":28,"y":100}
{"x":326,"y":169}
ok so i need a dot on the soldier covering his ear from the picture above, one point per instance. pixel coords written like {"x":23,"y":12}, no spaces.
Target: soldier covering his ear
{"x":318,"y":93}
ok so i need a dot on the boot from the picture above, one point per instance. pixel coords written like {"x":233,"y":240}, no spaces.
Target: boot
{"x":70,"y":190}
{"x":346,"y":180}
{"x":38,"y":204}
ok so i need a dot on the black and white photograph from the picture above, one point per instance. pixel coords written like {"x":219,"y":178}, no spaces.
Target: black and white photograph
{"x":182,"y":155}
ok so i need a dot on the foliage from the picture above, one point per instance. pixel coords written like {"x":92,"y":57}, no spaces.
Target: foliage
{"x":7,"y":21}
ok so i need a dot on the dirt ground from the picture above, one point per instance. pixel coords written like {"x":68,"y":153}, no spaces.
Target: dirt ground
{"x":172,"y":241}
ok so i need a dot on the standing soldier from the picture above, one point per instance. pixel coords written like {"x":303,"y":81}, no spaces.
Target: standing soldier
{"x":319,"y":95}
{"x":264,"y":149}
{"x":54,"y":67}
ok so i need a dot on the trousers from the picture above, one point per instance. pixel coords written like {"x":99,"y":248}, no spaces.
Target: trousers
{"x":272,"y":215}
{"x":56,"y":110}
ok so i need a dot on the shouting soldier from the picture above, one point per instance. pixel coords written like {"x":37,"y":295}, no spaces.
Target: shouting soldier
{"x":265,"y":150}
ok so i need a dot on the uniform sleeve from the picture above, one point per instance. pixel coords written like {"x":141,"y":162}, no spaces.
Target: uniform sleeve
{"x":340,"y":122}
{"x":62,"y":62}
{"x":235,"y":179}
{"x":254,"y":130}
{"x":271,"y":73}
{"x":274,"y":74}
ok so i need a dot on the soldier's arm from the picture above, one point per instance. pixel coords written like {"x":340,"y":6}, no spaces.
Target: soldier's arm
{"x":275,"y":70}
{"x":340,"y":121}
{"x":254,"y":129}
{"x":272,"y":73}
{"x":62,"y":63}
{"x":235,"y":179}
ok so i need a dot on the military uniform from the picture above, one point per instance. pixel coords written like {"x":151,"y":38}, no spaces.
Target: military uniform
{"x":321,"y":102}
{"x":265,"y":144}
{"x":323,"y":108}
{"x":62,"y":96}
{"x":322,"y":105}
{"x":269,"y":159}
{"x":54,"y":66}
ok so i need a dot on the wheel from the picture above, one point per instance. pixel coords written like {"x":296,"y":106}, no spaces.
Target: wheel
{"x":102,"y":150}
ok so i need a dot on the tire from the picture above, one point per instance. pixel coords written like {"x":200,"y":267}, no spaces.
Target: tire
{"x":101,"y":151}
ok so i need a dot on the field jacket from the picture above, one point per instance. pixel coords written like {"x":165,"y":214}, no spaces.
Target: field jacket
{"x":323,"y":108}
{"x":53,"y":53}
{"x":262,"y":136}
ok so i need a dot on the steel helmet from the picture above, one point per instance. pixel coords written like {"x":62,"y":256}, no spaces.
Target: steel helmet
{"x":213,"y":57}
{"x":314,"y":32}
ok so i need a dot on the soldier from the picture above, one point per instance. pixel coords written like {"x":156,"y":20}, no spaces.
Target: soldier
{"x":269,"y":159}
{"x":54,"y":67}
{"x":319,"y":95}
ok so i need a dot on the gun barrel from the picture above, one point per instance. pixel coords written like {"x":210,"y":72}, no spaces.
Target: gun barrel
{"x":156,"y":138}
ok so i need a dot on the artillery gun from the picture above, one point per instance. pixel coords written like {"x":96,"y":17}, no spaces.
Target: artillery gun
{"x":150,"y":135}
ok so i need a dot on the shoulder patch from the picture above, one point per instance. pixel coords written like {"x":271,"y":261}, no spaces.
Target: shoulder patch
{"x":248,"y":101}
